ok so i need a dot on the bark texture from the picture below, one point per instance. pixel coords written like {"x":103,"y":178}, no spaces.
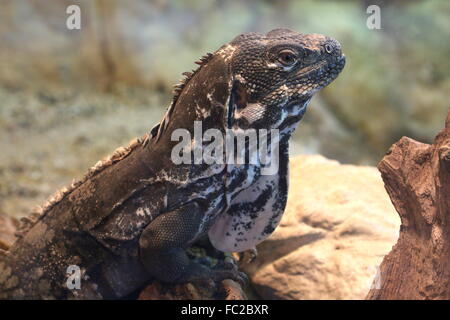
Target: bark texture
{"x":417,"y":179}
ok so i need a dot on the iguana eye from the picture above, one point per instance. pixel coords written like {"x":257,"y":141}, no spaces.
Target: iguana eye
{"x":287,"y":57}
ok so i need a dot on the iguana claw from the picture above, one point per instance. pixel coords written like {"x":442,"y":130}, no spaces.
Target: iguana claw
{"x":234,"y":274}
{"x":200,"y":274}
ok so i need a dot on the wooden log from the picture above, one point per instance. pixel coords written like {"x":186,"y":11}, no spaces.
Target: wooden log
{"x":417,"y":179}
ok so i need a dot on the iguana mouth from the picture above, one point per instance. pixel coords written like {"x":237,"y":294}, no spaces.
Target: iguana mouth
{"x":324,"y":67}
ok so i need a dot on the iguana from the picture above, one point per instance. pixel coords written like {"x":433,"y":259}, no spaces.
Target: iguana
{"x":134,"y":214}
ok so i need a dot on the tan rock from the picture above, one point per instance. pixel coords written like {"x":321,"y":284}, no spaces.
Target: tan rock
{"x":338,"y":225}
{"x":8,"y":227}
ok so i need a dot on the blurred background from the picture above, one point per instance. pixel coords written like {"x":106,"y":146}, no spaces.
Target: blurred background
{"x":70,"y":97}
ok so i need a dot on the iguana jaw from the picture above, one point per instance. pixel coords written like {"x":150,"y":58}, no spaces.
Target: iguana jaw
{"x":312,"y":79}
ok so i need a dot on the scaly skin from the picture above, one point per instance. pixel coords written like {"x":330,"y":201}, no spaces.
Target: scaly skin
{"x":132,"y":217}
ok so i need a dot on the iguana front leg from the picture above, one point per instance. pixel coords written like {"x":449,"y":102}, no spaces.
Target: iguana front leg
{"x":163,"y":243}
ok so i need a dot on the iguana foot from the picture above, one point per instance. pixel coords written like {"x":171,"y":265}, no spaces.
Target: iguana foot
{"x":233,"y":274}
{"x":200,"y":274}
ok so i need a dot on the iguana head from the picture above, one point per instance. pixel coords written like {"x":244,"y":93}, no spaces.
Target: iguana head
{"x":255,"y":81}
{"x":276,"y":74}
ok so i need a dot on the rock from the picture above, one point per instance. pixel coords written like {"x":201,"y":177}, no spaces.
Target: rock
{"x":417,"y":178}
{"x":338,"y":225}
{"x":8,"y":227}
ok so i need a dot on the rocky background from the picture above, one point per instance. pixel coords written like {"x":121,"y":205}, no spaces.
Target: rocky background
{"x":70,"y":97}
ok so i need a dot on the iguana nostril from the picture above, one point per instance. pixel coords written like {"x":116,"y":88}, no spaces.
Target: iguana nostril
{"x":328,"y":48}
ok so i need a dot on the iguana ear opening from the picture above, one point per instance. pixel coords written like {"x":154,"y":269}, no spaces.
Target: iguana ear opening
{"x":239,"y":95}
{"x":238,"y":100}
